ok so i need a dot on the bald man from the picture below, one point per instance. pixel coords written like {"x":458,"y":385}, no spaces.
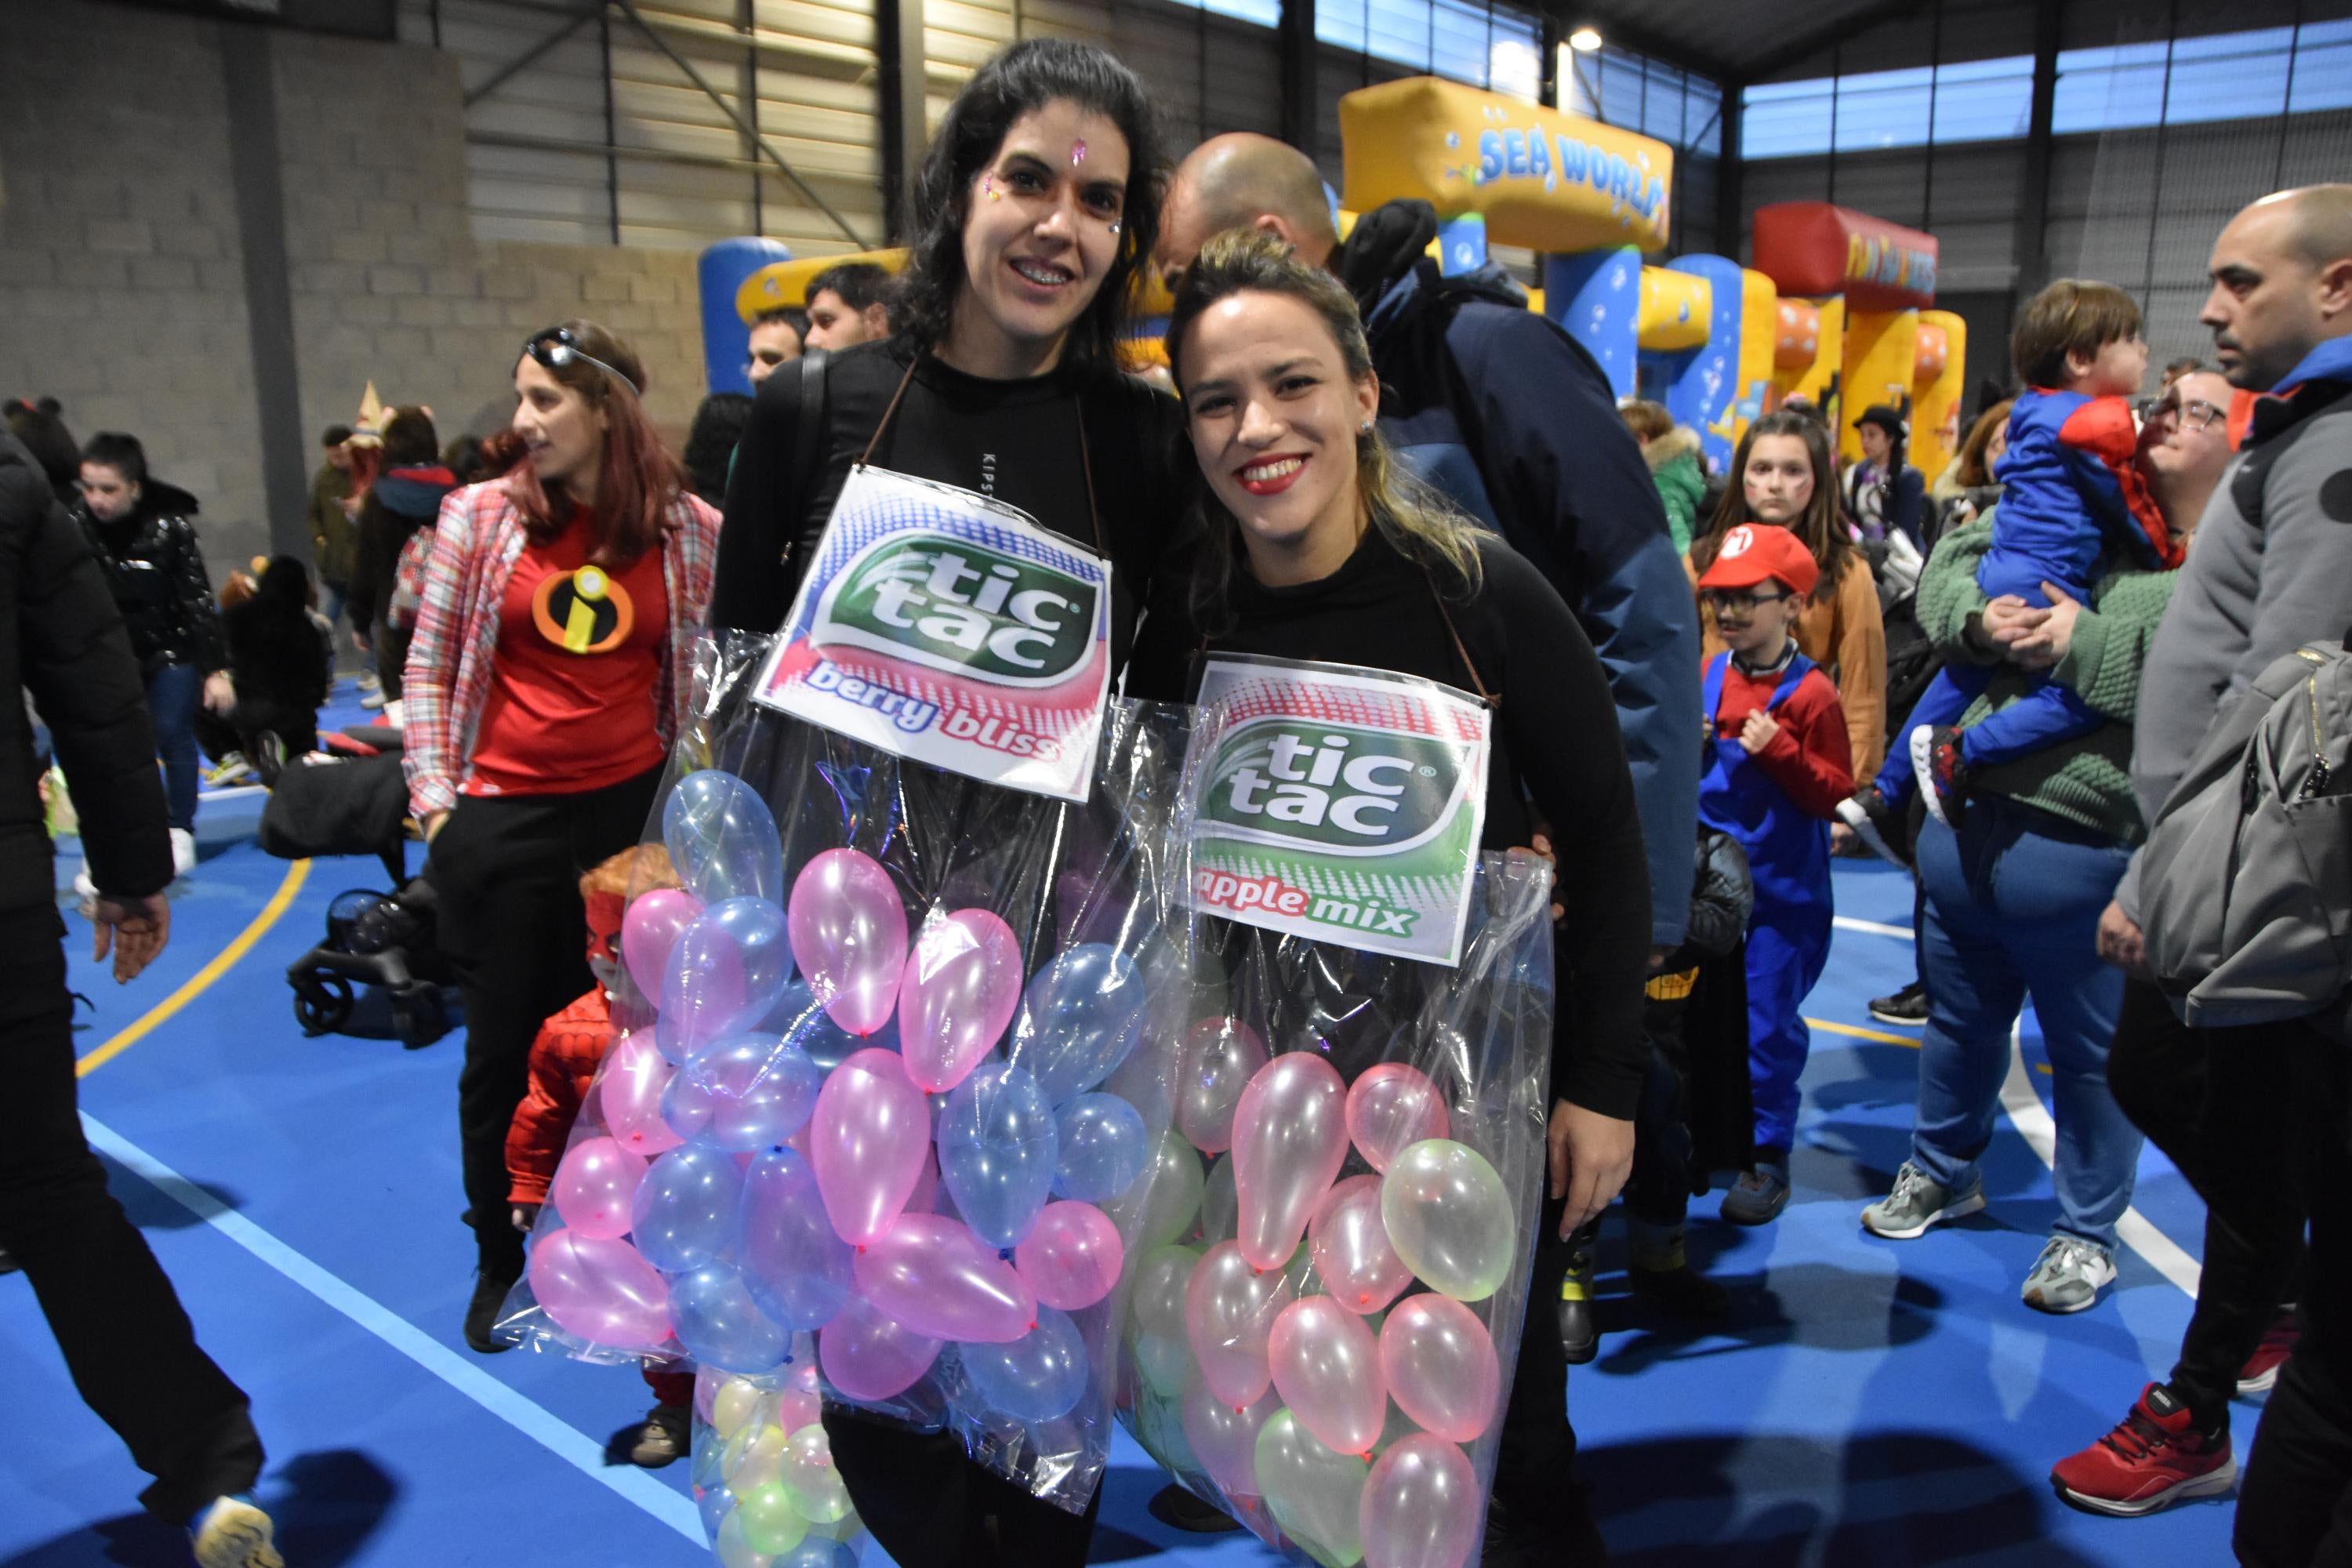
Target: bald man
{"x":1511,"y":417}
{"x":2270,"y":570}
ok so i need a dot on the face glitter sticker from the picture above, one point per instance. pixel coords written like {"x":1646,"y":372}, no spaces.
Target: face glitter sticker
{"x":988,"y":184}
{"x":1078,"y":152}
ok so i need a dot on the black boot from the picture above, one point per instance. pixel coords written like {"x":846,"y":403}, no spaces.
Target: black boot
{"x":1660,"y":1271}
{"x":482,"y":1311}
{"x":1579,"y":1339}
{"x":1180,"y":1510}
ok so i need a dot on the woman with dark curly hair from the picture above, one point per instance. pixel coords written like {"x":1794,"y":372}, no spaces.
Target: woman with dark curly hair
{"x":1034,"y":206}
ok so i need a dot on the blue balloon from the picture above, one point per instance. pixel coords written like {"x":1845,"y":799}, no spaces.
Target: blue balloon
{"x":715,"y":1503}
{"x":801,"y":1018}
{"x":1038,"y":1376}
{"x":715,"y":1319}
{"x":721,"y":836}
{"x":1080,"y":1017}
{"x":816,"y":1551}
{"x":724,"y":974}
{"x":797,"y":1270}
{"x":684,"y":1213}
{"x":997,"y":1151}
{"x":742,"y":1096}
{"x":1104,"y":1148}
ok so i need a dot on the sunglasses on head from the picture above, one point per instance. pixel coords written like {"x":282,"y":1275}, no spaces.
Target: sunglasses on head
{"x":556,"y":348}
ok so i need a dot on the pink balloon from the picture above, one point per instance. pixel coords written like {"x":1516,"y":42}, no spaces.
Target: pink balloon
{"x":594,"y":1187}
{"x":1225,"y":1439}
{"x":1290,"y":1137}
{"x":1420,"y":1506}
{"x":1394,"y":1105}
{"x":796,"y":1408}
{"x":1071,"y":1257}
{"x":1214,"y":1063}
{"x":1230,"y":1306}
{"x":1441,"y":1366}
{"x":867,"y":1143}
{"x":650,"y":929}
{"x":1326,"y":1367}
{"x":1351,"y":1247}
{"x":630,"y":1092}
{"x":600,"y":1289}
{"x":924,"y":1199}
{"x":867,"y":1356}
{"x":960,"y":989}
{"x":932,"y":1275}
{"x":848,"y":931}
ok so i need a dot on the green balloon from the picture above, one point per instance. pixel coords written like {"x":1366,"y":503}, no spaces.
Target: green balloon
{"x":1165,"y":1200}
{"x":1449,"y":1218}
{"x":1312,"y":1490}
{"x":771,"y":1522}
{"x":1156,"y":1318}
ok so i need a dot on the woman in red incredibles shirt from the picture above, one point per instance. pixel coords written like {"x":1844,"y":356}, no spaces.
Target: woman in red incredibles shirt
{"x":552,"y":660}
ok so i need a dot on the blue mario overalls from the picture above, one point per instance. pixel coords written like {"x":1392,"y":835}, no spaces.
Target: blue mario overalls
{"x":1788,"y":937}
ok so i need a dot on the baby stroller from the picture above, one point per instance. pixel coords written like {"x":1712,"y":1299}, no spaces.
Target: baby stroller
{"x":379,"y":944}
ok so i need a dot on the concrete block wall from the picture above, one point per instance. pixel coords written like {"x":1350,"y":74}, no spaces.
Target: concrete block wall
{"x":121,"y":281}
{"x":122,"y":274}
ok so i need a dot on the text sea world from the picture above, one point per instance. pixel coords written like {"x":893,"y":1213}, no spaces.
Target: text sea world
{"x":1529,"y":154}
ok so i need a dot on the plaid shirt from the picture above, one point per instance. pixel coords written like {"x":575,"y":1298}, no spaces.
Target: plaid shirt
{"x":447,"y":677}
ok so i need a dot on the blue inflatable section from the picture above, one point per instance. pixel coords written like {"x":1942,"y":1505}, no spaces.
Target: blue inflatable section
{"x":1596,"y":295}
{"x":1702,"y":382}
{"x":725,"y":341}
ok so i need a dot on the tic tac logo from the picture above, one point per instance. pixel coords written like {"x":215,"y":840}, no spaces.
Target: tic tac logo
{"x":1334,"y":787}
{"x":964,"y":608}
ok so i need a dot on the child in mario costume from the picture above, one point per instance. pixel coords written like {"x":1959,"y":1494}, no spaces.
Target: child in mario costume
{"x":2073,"y":507}
{"x":1778,"y":763}
{"x":563,"y":1061}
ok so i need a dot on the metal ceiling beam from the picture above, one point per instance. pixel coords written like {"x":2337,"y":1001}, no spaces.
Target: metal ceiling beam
{"x":1815,"y":38}
{"x":530,"y":57}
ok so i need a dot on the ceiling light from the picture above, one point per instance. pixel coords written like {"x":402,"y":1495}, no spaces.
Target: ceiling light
{"x":1584,"y":41}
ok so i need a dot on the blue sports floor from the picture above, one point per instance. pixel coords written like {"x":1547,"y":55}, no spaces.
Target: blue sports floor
{"x":1872,"y":1403}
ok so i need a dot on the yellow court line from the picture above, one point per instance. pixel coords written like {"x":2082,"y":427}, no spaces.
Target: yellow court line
{"x":1883,"y":1037}
{"x":197,"y":983}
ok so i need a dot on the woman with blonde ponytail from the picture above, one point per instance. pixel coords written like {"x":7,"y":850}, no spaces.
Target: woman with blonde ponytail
{"x":1309,"y":541}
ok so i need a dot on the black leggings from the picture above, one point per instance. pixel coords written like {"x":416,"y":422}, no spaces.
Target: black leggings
{"x":930,"y":1506}
{"x":125,"y":1338}
{"x":506,"y":870}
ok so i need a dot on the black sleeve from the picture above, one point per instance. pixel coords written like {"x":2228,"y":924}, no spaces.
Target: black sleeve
{"x":752,"y":586}
{"x":1909,"y":503}
{"x":1721,"y":898}
{"x":194,"y":587}
{"x":79,"y":665}
{"x":1561,"y":722}
{"x":359,"y":599}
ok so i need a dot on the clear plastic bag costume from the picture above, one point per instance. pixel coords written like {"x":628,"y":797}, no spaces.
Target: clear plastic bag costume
{"x":860,"y":1109}
{"x":1320,"y":1332}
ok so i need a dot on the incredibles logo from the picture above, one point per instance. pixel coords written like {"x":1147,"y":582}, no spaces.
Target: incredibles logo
{"x":583,"y":612}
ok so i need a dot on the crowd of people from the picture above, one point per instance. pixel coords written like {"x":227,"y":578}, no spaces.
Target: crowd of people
{"x":1706,"y":686}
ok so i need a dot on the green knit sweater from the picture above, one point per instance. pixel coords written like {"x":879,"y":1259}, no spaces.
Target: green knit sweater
{"x":2087,"y":782}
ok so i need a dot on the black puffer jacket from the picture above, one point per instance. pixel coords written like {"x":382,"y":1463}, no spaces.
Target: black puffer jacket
{"x":156,"y":571}
{"x":62,"y":640}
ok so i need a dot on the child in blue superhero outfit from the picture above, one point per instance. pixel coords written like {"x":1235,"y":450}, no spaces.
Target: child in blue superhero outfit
{"x":1778,"y":765}
{"x":2072,"y":505}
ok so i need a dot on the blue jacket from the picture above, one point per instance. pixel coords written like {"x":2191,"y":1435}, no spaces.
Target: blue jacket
{"x":1509,"y":417}
{"x":2070,"y":493}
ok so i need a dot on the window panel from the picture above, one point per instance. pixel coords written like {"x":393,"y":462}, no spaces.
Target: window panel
{"x":2323,"y":69}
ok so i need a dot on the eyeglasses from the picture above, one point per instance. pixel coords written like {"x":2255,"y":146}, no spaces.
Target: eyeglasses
{"x":556,"y":348}
{"x":2194,"y":412}
{"x":1719,"y":601}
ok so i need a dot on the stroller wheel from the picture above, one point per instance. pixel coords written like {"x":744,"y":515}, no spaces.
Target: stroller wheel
{"x":322,"y":1002}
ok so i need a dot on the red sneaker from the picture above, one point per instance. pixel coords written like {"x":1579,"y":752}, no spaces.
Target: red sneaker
{"x":2262,"y":1368}
{"x":2153,"y":1458}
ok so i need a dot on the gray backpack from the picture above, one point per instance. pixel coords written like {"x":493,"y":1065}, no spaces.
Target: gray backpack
{"x":2246,"y":881}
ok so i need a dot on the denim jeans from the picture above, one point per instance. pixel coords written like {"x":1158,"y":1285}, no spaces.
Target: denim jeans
{"x":172,"y":694}
{"x":2013,"y":900}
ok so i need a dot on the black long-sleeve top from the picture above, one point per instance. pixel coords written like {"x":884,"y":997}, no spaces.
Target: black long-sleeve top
{"x":155,"y":570}
{"x":1556,"y":748}
{"x":1014,"y":440}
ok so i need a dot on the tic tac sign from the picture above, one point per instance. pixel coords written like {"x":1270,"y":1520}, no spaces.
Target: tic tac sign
{"x":1816,"y":249}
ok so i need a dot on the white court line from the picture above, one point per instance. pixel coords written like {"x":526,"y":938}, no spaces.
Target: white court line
{"x":2032,"y":1118}
{"x":524,"y":1415}
{"x":1844,"y":923}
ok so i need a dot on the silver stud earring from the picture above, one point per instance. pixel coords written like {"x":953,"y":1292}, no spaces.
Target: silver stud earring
{"x":1115,"y":227}
{"x":1365,"y":428}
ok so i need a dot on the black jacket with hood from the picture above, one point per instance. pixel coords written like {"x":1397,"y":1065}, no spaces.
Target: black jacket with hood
{"x":62,"y":641}
{"x":155,"y":570}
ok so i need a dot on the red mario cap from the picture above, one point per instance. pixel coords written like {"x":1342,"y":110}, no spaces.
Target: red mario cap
{"x":1754,"y":552}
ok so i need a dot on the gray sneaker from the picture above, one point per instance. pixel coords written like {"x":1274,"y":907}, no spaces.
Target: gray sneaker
{"x":2066,"y":1278}
{"x":1918,"y":1201}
